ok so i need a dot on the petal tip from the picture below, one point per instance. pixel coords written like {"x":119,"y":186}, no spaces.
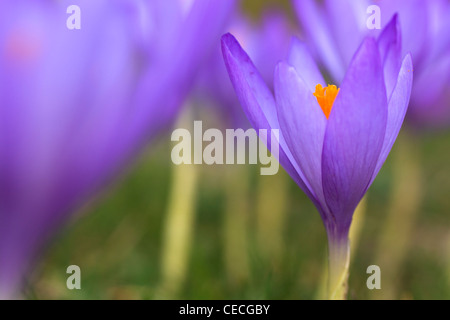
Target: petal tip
{"x":231,"y":49}
{"x":227,"y":40}
{"x":393,"y":27}
{"x":407,"y":63}
{"x":408,"y":59}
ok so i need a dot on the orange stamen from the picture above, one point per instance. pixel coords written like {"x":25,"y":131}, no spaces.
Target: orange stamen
{"x":325,"y":97}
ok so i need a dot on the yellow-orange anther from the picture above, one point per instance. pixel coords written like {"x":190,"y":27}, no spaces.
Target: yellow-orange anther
{"x":325,"y":97}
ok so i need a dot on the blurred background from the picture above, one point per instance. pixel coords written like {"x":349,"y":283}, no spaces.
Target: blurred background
{"x":274,"y":244}
{"x":118,"y":245}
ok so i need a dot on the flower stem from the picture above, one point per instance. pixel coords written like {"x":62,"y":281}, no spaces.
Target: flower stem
{"x":338,"y":267}
{"x":354,"y":236}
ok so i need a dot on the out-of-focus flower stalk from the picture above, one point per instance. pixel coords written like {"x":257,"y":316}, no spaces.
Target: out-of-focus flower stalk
{"x":394,"y":242}
{"x":236,"y":224}
{"x":271,"y":217}
{"x":178,"y":226}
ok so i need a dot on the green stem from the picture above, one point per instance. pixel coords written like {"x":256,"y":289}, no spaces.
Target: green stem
{"x":338,"y":267}
{"x":354,"y":236}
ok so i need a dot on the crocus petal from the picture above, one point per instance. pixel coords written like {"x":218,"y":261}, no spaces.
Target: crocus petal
{"x":389,"y":43}
{"x":355,"y":133}
{"x":396,"y":110}
{"x":301,"y":59}
{"x":318,"y":32}
{"x":251,"y":89}
{"x":257,"y":101}
{"x":302,"y":123}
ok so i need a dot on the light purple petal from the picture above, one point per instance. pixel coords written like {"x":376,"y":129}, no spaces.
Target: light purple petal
{"x":390,"y":47}
{"x":302,"y":123}
{"x":396,"y":110}
{"x":355,"y":133}
{"x":301,"y":59}
{"x":252,"y":91}
{"x":257,"y":101}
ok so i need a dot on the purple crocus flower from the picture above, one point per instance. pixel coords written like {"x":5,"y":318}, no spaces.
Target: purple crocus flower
{"x":333,"y":141}
{"x":336,"y":27}
{"x":75,"y":105}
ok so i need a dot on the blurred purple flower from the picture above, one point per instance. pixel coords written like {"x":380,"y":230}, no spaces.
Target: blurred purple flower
{"x":266,"y":40}
{"x":336,"y":27}
{"x":75,"y":105}
{"x":335,"y":153}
